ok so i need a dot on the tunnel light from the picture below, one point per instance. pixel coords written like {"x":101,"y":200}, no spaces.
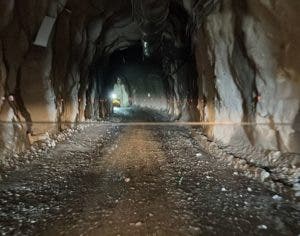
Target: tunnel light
{"x":113,"y":96}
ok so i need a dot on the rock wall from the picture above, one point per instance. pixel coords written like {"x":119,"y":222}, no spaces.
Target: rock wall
{"x":46,"y":89}
{"x":247,"y":55}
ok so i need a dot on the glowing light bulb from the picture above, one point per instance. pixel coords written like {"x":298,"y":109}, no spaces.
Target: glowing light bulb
{"x":113,"y":96}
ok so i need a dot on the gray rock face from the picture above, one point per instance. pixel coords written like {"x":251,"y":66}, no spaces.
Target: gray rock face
{"x":251,"y":48}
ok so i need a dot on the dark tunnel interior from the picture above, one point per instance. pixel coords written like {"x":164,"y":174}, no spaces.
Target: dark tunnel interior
{"x":149,"y":117}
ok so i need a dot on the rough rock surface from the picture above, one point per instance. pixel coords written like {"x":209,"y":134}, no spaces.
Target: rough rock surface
{"x":55,"y":84}
{"x":251,"y":73}
{"x":224,"y":61}
{"x":247,"y":59}
{"x":104,"y":185}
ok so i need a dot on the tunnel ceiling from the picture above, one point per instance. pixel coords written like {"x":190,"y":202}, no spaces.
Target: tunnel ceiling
{"x":144,"y":22}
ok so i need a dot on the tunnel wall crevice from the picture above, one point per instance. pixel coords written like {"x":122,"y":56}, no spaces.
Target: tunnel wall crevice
{"x":246,"y":61}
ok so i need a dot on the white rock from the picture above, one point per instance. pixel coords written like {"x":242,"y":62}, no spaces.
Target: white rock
{"x":194,"y":228}
{"x":223,"y":190}
{"x":53,"y":144}
{"x":249,"y":189}
{"x":138,"y":224}
{"x":230,"y":158}
{"x":296,"y":186}
{"x":264,"y":175}
{"x":262,"y":227}
{"x":180,"y":181}
{"x":277,"y":197}
{"x":276,"y":155}
{"x":199,"y":155}
{"x":127,"y":180}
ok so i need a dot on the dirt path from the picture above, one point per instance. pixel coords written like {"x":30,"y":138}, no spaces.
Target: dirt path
{"x":138,"y":181}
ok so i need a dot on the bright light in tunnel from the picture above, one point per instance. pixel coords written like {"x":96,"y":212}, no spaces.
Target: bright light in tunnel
{"x":146,"y":49}
{"x":113,"y":96}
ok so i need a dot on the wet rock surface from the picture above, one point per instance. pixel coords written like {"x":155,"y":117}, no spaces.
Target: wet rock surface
{"x":138,"y":180}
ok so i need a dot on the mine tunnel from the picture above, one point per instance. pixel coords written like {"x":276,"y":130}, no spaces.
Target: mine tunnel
{"x":149,"y":117}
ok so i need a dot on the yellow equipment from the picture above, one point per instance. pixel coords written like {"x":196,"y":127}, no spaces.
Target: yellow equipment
{"x":116,"y":102}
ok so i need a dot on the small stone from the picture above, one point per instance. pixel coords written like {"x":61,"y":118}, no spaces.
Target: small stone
{"x":296,"y":186}
{"x":193,"y":228}
{"x":138,"y":224}
{"x":277,"y":197}
{"x":199,"y":155}
{"x":249,"y":189}
{"x":264,"y":175}
{"x":262,"y":227}
{"x":276,"y":156}
{"x":180,"y":181}
{"x":223,"y":190}
{"x":127,"y":180}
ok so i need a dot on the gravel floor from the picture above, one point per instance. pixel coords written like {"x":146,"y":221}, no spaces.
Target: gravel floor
{"x":138,"y":180}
